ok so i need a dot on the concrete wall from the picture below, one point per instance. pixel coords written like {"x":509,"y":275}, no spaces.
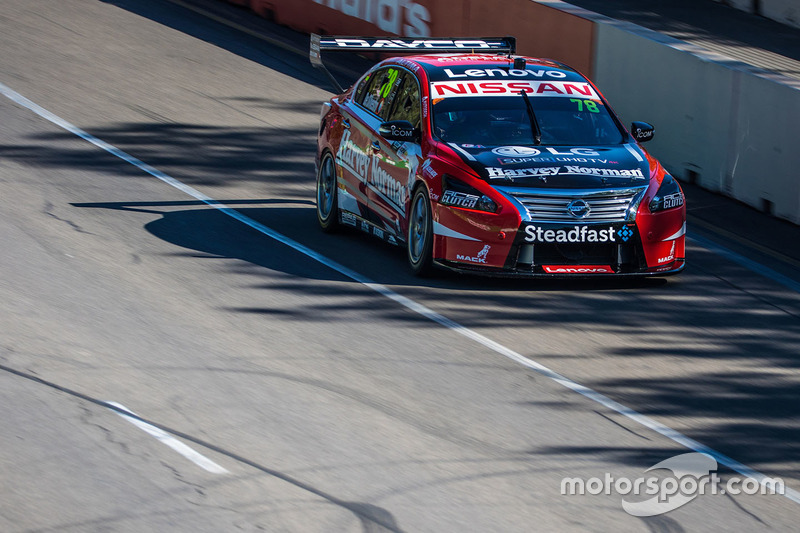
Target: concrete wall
{"x":765,"y":160}
{"x":744,"y":5}
{"x":784,"y":11}
{"x":729,"y":126}
{"x":646,"y":80}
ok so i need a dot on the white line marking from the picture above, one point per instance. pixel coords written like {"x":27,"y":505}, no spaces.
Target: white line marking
{"x":591,"y":394}
{"x":197,"y":458}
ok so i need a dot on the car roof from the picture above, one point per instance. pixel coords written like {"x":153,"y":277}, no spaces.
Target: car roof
{"x":446,"y":67}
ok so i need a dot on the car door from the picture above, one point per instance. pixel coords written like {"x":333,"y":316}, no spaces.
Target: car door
{"x":351,"y":156}
{"x":361,"y":120}
{"x":394,"y":163}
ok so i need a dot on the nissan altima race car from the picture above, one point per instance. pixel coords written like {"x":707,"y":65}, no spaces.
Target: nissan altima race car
{"x":475,"y":159}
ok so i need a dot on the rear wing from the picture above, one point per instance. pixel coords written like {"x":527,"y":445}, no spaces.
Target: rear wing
{"x":496,"y":45}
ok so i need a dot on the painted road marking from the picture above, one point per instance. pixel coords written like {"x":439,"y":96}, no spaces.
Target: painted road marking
{"x":194,"y":456}
{"x":430,"y":314}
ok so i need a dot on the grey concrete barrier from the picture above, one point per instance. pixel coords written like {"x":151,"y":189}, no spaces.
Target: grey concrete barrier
{"x":764,"y":159}
{"x":785,"y":11}
{"x":725,"y":125}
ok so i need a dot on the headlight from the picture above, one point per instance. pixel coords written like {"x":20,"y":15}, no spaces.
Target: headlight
{"x":669,"y":195}
{"x":459,"y":194}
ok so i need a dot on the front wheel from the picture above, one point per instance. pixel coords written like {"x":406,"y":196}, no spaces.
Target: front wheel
{"x":327,"y":199}
{"x":420,"y":234}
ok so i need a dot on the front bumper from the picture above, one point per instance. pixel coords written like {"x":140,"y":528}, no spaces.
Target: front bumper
{"x":664,"y":270}
{"x":592,"y":250}
{"x":540,"y":237}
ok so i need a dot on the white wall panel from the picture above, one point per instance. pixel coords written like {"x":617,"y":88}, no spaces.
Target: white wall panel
{"x":733,"y":126}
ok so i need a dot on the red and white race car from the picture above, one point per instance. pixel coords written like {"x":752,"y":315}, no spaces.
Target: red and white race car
{"x":479,"y":160}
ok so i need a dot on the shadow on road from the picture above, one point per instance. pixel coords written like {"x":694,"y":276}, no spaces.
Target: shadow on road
{"x":753,"y":416}
{"x":346,"y":68}
{"x":696,"y":321}
{"x":196,"y":154}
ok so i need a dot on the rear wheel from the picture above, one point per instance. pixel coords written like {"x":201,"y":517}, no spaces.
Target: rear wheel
{"x":327,"y":200}
{"x":420,"y":234}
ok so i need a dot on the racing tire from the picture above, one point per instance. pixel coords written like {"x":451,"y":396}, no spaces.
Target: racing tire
{"x":327,"y":195}
{"x":420,"y":234}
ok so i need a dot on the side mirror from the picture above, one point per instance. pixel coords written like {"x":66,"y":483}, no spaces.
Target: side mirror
{"x":642,"y":131}
{"x":399,"y":130}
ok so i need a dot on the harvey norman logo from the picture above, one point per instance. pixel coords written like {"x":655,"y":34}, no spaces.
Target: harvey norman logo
{"x":368,"y":170}
{"x":496,"y":172}
{"x":453,"y":89}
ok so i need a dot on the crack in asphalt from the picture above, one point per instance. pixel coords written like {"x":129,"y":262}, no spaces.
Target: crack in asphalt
{"x":662,"y":524}
{"x":373,"y":519}
{"x":48,"y":210}
{"x":196,"y":488}
{"x":629,"y":430}
{"x":108,"y":434}
{"x":745,"y":511}
{"x":445,"y":431}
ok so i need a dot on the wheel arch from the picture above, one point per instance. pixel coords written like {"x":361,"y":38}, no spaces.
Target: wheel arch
{"x":418,"y":182}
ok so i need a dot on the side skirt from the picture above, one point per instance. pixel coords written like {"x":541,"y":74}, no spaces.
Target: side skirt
{"x":347,"y":218}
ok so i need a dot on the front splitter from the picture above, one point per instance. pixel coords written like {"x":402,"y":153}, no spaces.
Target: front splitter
{"x":669,"y":270}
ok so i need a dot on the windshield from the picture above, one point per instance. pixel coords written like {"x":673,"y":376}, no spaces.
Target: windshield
{"x":500,"y":120}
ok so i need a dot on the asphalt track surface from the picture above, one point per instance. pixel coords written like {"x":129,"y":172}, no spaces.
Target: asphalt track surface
{"x":293,"y":396}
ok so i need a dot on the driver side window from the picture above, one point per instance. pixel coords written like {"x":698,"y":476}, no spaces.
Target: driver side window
{"x":407,"y":102}
{"x":380,"y":91}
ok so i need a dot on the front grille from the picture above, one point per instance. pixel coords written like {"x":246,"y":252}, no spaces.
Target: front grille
{"x":603,"y":206}
{"x":575,"y":254}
